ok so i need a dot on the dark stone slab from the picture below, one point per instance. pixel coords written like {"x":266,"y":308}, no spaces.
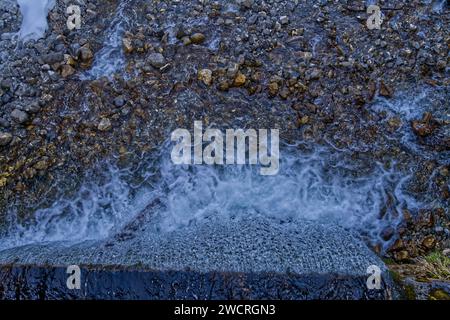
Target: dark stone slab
{"x":41,"y":282}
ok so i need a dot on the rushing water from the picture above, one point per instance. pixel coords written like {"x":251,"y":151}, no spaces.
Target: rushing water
{"x":318,"y":184}
{"x":315,"y":182}
{"x":110,"y":59}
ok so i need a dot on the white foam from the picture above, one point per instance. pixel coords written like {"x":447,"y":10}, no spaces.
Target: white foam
{"x":34,"y":18}
{"x":439,"y":6}
{"x":408,"y":107}
{"x":110,"y":58}
{"x":412,"y":105}
{"x":318,"y":185}
{"x":97,"y":209}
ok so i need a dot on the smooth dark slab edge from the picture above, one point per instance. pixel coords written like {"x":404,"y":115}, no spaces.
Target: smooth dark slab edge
{"x":42,"y":282}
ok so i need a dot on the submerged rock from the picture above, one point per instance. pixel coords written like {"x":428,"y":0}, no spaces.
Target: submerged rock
{"x":127,"y":45}
{"x":119,"y":101}
{"x":423,"y":127}
{"x":385,"y":90}
{"x":86,"y":56}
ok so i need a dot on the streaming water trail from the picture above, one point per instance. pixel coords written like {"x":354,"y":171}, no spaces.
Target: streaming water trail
{"x":110,"y":59}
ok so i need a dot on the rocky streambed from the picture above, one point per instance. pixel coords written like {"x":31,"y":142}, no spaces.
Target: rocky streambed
{"x":85,"y":116}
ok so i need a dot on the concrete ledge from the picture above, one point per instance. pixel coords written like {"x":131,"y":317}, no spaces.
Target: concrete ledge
{"x":250,"y":245}
{"x":40,"y":282}
{"x":252,"y":258}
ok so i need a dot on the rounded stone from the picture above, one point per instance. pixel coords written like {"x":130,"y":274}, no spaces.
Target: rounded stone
{"x":5,"y":138}
{"x":198,"y":38}
{"x":104,"y":125}
{"x":19,"y":116}
{"x":157,"y":60}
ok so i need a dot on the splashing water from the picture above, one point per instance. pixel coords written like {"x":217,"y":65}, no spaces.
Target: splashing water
{"x":317,"y":185}
{"x":95,"y":211}
{"x":409,"y":108}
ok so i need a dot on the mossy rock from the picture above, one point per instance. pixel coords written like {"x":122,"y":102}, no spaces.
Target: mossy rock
{"x":438,"y":294}
{"x":396,"y":277}
{"x":409,"y":292}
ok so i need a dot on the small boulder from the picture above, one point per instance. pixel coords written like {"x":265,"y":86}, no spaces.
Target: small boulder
{"x":223,"y":85}
{"x":41,"y":165}
{"x":246,"y":4}
{"x":19,"y":116}
{"x":239,"y":80}
{"x":67,"y":71}
{"x":385,"y":90}
{"x":429,"y":242}
{"x":205,"y":75}
{"x":424,"y":127}
{"x":197,"y":38}
{"x":5,"y":138}
{"x":52,"y":58}
{"x":284,"y":20}
{"x":401,"y":256}
{"x":157,"y":60}
{"x":33,"y":107}
{"x":273,"y":88}
{"x":232,"y":70}
{"x":85,"y":53}
{"x":314,"y":74}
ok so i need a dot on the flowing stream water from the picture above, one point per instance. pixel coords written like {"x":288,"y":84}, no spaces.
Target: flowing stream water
{"x":110,"y":59}
{"x":318,"y":184}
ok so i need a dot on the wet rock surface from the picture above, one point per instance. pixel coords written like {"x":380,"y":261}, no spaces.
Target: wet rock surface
{"x":300,"y":248}
{"x":32,"y":282}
